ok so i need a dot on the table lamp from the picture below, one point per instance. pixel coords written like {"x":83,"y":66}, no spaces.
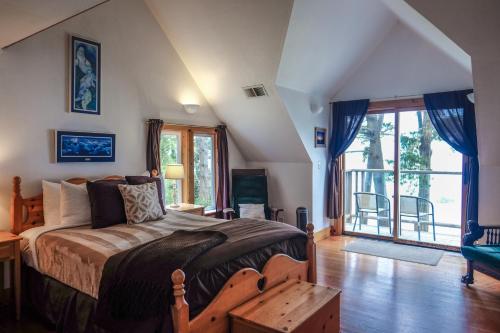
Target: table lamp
{"x":174,"y":172}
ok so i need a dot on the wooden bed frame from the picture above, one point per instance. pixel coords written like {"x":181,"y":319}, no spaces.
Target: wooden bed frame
{"x":27,"y":213}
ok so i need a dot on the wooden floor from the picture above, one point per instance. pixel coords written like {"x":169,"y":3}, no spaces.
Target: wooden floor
{"x":385,"y":295}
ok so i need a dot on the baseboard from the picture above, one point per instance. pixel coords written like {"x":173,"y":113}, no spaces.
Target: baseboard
{"x":322,"y":234}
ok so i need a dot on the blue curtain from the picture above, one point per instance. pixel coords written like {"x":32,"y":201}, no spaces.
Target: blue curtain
{"x":453,"y":116}
{"x":347,"y":118}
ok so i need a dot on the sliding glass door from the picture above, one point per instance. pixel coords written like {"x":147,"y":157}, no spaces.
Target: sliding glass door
{"x":369,"y":177}
{"x":399,"y":175}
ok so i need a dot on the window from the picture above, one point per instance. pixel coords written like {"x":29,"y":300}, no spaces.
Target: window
{"x":400,"y":175}
{"x":194,"y":147}
{"x":170,"y":152}
{"x":204,"y":180}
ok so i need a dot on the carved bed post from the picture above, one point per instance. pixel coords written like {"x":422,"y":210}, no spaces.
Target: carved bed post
{"x":180,"y":310}
{"x":311,"y":254}
{"x":16,"y":206}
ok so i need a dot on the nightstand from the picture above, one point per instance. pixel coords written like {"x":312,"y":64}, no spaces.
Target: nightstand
{"x":10,"y":250}
{"x":188,"y":208}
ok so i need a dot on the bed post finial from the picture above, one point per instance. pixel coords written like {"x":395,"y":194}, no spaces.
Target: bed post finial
{"x":311,"y":253}
{"x":16,"y":206}
{"x":180,"y":310}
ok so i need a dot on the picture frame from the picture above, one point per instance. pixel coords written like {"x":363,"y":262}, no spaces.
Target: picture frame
{"x":85,"y":76}
{"x":84,"y":147}
{"x":320,"y":137}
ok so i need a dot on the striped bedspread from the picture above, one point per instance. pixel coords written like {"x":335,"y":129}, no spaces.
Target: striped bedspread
{"x":76,"y":256}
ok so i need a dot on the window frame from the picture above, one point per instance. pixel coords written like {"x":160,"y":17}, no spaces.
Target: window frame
{"x":396,"y":107}
{"x":187,"y":133}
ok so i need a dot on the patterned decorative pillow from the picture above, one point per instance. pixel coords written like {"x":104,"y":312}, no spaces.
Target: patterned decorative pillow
{"x":141,"y":202}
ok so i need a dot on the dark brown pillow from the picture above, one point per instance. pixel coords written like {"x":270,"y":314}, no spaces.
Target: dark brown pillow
{"x":106,"y":203}
{"x":141,"y":180}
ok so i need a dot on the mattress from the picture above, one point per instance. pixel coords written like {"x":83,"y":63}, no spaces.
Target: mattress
{"x":76,"y":255}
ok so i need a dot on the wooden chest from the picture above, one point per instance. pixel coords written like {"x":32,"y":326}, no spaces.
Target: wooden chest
{"x":292,"y":307}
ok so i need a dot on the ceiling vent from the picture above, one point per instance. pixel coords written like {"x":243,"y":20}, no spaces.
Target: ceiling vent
{"x":255,"y":91}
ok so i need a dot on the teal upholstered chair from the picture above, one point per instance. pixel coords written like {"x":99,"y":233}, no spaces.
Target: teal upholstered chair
{"x":485,"y":257}
{"x":249,"y":186}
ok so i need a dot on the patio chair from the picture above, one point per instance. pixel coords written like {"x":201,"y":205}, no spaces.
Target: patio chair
{"x":411,"y":206}
{"x":367,"y":202}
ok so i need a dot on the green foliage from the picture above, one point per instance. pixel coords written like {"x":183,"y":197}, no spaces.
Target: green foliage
{"x":203,"y":171}
{"x":168,"y":155}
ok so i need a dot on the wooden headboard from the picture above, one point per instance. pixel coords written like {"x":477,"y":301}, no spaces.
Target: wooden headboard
{"x":27,"y":213}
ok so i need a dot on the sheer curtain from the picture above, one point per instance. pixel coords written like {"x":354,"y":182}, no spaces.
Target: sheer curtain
{"x":453,"y":116}
{"x":347,"y":118}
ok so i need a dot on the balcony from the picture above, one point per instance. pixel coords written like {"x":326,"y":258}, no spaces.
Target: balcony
{"x":444,"y":194}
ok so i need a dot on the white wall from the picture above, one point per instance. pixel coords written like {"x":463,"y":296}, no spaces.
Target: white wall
{"x":405,"y":64}
{"x":299,"y":106}
{"x":289,"y":186}
{"x":230,"y":44}
{"x":475,"y":26}
{"x":142,"y":77}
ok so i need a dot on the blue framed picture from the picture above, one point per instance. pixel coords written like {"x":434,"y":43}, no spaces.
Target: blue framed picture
{"x":84,"y":147}
{"x":319,"y":137}
{"x":85,"y":85}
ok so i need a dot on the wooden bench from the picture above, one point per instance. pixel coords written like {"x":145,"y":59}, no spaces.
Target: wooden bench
{"x":292,"y":307}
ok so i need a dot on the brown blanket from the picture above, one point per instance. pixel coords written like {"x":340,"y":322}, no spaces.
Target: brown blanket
{"x":135,"y":282}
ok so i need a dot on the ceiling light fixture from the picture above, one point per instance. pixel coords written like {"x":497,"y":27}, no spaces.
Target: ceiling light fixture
{"x":191,"y":108}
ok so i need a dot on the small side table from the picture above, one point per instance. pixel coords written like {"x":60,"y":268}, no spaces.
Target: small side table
{"x":188,"y":208}
{"x":10,"y":250}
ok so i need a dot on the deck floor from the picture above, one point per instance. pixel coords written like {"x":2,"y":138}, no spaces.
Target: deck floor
{"x":444,"y":236}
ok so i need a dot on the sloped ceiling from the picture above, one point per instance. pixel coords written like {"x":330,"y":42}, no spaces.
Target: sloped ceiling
{"x":342,"y":49}
{"x":328,"y":39}
{"x":405,"y":64}
{"x":228,"y":44}
{"x":22,"y":18}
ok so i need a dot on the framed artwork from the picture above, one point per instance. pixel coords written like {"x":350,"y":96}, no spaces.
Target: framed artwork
{"x":84,"y":147}
{"x":85,"y":76}
{"x":320,"y":137}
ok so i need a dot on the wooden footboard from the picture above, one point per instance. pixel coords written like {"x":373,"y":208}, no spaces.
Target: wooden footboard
{"x":241,"y":287}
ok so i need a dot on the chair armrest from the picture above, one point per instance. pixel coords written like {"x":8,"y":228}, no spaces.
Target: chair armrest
{"x":475,"y":233}
{"x":277,"y":214}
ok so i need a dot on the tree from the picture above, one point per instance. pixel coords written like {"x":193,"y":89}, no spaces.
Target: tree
{"x":203,"y":171}
{"x":372,"y":133}
{"x":416,"y":154}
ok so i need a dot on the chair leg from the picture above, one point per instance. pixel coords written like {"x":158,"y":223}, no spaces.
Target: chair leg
{"x":433,"y":228}
{"x":418,"y":228}
{"x":355,"y":220}
{"x":360,"y":221}
{"x":378,"y":224}
{"x":469,"y":277}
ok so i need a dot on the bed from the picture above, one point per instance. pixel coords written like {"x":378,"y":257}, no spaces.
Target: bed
{"x":63,"y":265}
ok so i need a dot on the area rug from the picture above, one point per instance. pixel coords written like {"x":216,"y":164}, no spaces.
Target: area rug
{"x":420,"y":255}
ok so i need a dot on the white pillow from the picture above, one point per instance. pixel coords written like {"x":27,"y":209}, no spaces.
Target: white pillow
{"x":252,"y":211}
{"x":75,"y":204}
{"x":51,"y":208}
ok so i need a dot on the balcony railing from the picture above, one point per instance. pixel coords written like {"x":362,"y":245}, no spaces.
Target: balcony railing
{"x":354,"y":180}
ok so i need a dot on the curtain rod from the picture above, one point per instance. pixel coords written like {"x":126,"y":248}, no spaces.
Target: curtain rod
{"x":187,"y":125}
{"x":392,"y":98}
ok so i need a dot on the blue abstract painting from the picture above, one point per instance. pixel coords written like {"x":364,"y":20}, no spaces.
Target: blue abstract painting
{"x":85,"y":76}
{"x":85,"y":147}
{"x":319,"y":137}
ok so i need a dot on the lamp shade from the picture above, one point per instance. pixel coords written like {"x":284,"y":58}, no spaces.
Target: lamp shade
{"x":174,"y":171}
